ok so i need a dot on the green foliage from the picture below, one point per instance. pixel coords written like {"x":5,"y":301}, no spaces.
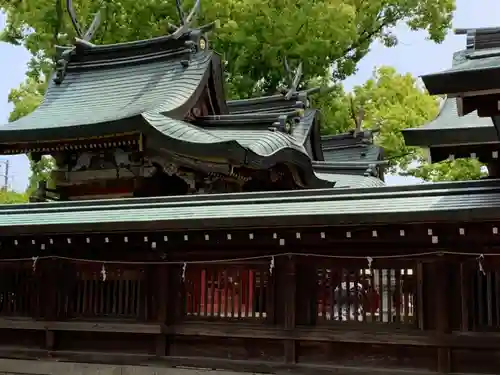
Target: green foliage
{"x":10,"y":197}
{"x":255,"y":34}
{"x":40,"y":171}
{"x":389,"y":102}
{"x":456,"y":170}
{"x":392,"y":102}
{"x":25,"y":99}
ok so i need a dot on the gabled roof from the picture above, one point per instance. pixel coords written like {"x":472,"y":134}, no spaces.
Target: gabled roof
{"x":148,"y":87}
{"x":348,"y":174}
{"x":351,"y":147}
{"x":439,"y":202}
{"x":472,"y":68}
{"x":105,"y":85}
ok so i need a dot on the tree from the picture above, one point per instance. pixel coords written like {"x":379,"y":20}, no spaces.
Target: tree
{"x":25,"y":99}
{"x":448,"y":170}
{"x":392,"y":102}
{"x":255,"y":35}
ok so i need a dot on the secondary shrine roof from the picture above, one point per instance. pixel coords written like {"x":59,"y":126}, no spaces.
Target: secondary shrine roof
{"x":477,"y":200}
{"x":348,"y":147}
{"x":472,"y":68}
{"x":448,"y":128}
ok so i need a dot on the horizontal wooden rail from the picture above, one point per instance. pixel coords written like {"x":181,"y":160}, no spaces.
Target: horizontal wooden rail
{"x":348,"y":334}
{"x":80,"y":326}
{"x":241,"y":366}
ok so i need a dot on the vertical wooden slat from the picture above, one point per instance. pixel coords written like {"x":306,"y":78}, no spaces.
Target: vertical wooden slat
{"x":407,"y":297}
{"x":147,"y":292}
{"x":397,"y":294}
{"x":327,"y":294}
{"x":102,"y":293}
{"x":497,"y":299}
{"x":108,"y":301}
{"x":347,"y":293}
{"x":249,"y":280}
{"x":489,"y":297}
{"x":480,"y":298}
{"x":126,"y":297}
{"x":389,"y":295}
{"x":261,"y":293}
{"x":420,"y":296}
{"x":49,"y":291}
{"x":135,"y":296}
{"x":162,"y":292}
{"x":121,"y":293}
{"x":140,"y":300}
{"x":241,"y":272}
{"x":271,"y":298}
{"x":464,"y":296}
{"x":381,"y":294}
{"x":219,"y":293}
{"x":441,"y":270}
{"x":84,"y":294}
{"x":373,"y":290}
{"x":290,"y":292}
{"x":92,"y":283}
{"x":231,"y":291}
{"x":115,"y":288}
{"x":474,"y":299}
{"x":226,"y":289}
{"x":363,"y":274}
{"x":205,"y":277}
{"x":213,"y":275}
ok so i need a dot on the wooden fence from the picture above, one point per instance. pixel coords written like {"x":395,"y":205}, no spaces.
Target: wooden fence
{"x":435,"y":314}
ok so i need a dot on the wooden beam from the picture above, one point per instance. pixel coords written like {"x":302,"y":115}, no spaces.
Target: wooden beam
{"x":29,"y":324}
{"x":348,"y":333}
{"x":262,"y":367}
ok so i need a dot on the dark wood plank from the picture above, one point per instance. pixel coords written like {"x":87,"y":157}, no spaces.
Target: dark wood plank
{"x":28,"y":324}
{"x":162,"y":275}
{"x":290,"y":292}
{"x":262,"y":367}
{"x":349,"y":333}
{"x":443,"y":311}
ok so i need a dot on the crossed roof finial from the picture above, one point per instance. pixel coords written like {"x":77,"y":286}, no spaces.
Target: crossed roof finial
{"x":84,"y":37}
{"x":185,"y":21}
{"x":293,"y":80}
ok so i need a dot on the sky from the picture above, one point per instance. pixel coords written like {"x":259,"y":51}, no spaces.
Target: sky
{"x":414,"y":54}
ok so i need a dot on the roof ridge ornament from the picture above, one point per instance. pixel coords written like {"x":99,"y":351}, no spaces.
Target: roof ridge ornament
{"x":293,"y":80}
{"x":197,"y":40}
{"x":84,"y":38}
{"x":81,"y":40}
{"x":186,"y":22}
{"x":357,"y":118}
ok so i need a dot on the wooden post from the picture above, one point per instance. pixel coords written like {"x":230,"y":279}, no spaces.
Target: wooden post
{"x":464,"y":296}
{"x":443,"y":311}
{"x":50,"y":273}
{"x":421,"y":318}
{"x":290,"y":292}
{"x":162,"y":275}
